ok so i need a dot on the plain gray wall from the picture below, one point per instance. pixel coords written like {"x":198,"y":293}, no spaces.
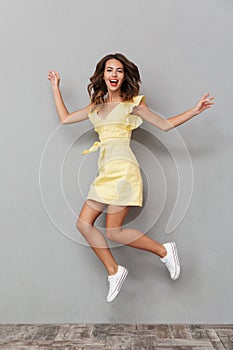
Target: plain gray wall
{"x":183,"y":50}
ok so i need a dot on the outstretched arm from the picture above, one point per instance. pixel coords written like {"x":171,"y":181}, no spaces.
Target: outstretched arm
{"x":166,"y":124}
{"x":64,"y":115}
{"x":77,"y":116}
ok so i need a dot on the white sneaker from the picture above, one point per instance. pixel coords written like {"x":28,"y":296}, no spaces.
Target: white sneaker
{"x":115,"y":282}
{"x":171,"y":260}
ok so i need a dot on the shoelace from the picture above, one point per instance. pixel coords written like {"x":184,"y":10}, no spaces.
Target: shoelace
{"x":169,"y":266}
{"x":112,"y":285}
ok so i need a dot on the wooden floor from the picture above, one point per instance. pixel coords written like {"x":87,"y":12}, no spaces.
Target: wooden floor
{"x":115,"y":336}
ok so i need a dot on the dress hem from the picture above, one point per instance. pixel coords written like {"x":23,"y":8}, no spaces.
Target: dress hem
{"x":123,"y":204}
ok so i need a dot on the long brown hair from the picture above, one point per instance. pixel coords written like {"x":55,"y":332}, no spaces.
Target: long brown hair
{"x":130,"y":87}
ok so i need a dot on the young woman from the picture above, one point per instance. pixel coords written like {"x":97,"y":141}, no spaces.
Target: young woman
{"x":115,"y":110}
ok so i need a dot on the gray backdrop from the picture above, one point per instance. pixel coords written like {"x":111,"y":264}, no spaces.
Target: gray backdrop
{"x":183,"y":50}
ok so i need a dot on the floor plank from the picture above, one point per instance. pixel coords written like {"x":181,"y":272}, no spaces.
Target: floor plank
{"x":116,"y":336}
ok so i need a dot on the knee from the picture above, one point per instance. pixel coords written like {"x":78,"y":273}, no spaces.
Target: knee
{"x":112,"y":234}
{"x":82,"y":225}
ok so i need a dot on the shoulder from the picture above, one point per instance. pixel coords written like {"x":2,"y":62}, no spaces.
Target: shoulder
{"x":91,"y":108}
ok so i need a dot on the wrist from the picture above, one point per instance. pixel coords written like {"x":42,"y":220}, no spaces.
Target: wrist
{"x":55,"y":88}
{"x":194,"y":112}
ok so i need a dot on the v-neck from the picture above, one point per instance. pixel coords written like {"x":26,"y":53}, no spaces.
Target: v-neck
{"x":103,"y":118}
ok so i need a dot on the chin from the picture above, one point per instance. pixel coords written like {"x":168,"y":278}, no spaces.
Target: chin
{"x":114,"y":89}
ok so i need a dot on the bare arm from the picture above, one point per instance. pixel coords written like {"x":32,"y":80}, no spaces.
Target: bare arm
{"x":64,"y":115}
{"x":77,"y":116}
{"x":60,"y":106}
{"x":166,"y":124}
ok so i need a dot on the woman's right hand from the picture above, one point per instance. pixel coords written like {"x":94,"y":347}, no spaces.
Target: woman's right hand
{"x":54,"y":77}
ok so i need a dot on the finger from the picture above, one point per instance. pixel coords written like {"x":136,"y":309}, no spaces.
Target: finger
{"x":205,"y":96}
{"x":208,"y":103}
{"x":208,"y":99}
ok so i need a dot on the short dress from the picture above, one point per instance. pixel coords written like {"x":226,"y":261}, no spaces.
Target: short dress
{"x":119,"y":180}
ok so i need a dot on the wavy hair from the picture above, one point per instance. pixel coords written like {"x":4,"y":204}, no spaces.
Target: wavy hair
{"x":130,"y":87}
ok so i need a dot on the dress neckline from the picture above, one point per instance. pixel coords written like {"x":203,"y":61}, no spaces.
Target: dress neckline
{"x":103,"y":118}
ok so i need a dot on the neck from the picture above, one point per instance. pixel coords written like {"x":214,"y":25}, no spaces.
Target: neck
{"x":113,"y":97}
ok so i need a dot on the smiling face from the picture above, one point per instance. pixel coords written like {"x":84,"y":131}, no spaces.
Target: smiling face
{"x":113,"y":75}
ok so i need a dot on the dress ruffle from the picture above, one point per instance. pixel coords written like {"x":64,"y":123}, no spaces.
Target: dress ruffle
{"x":133,"y":121}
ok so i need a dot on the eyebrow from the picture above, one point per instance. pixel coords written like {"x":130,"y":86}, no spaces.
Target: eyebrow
{"x":112,"y":67}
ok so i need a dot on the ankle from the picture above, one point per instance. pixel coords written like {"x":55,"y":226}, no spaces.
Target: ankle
{"x":163,"y":251}
{"x":112,"y":269}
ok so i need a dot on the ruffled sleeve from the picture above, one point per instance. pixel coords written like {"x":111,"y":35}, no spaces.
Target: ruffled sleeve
{"x":137,"y":99}
{"x":133,"y":121}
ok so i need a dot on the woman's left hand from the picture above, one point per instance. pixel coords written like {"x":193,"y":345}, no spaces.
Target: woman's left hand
{"x":203,"y":104}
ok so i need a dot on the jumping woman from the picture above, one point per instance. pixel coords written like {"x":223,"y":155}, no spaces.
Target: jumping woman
{"x":115,"y":109}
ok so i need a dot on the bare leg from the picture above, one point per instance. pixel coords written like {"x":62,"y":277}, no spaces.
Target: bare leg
{"x":85,"y":224}
{"x":129,"y":237}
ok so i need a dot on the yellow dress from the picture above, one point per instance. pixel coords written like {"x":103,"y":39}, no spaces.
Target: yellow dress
{"x":119,"y":180}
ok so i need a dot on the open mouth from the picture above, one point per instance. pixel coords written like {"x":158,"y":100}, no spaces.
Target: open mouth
{"x":113,"y":82}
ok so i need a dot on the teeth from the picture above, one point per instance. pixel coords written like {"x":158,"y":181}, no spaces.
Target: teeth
{"x":113,"y":81}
